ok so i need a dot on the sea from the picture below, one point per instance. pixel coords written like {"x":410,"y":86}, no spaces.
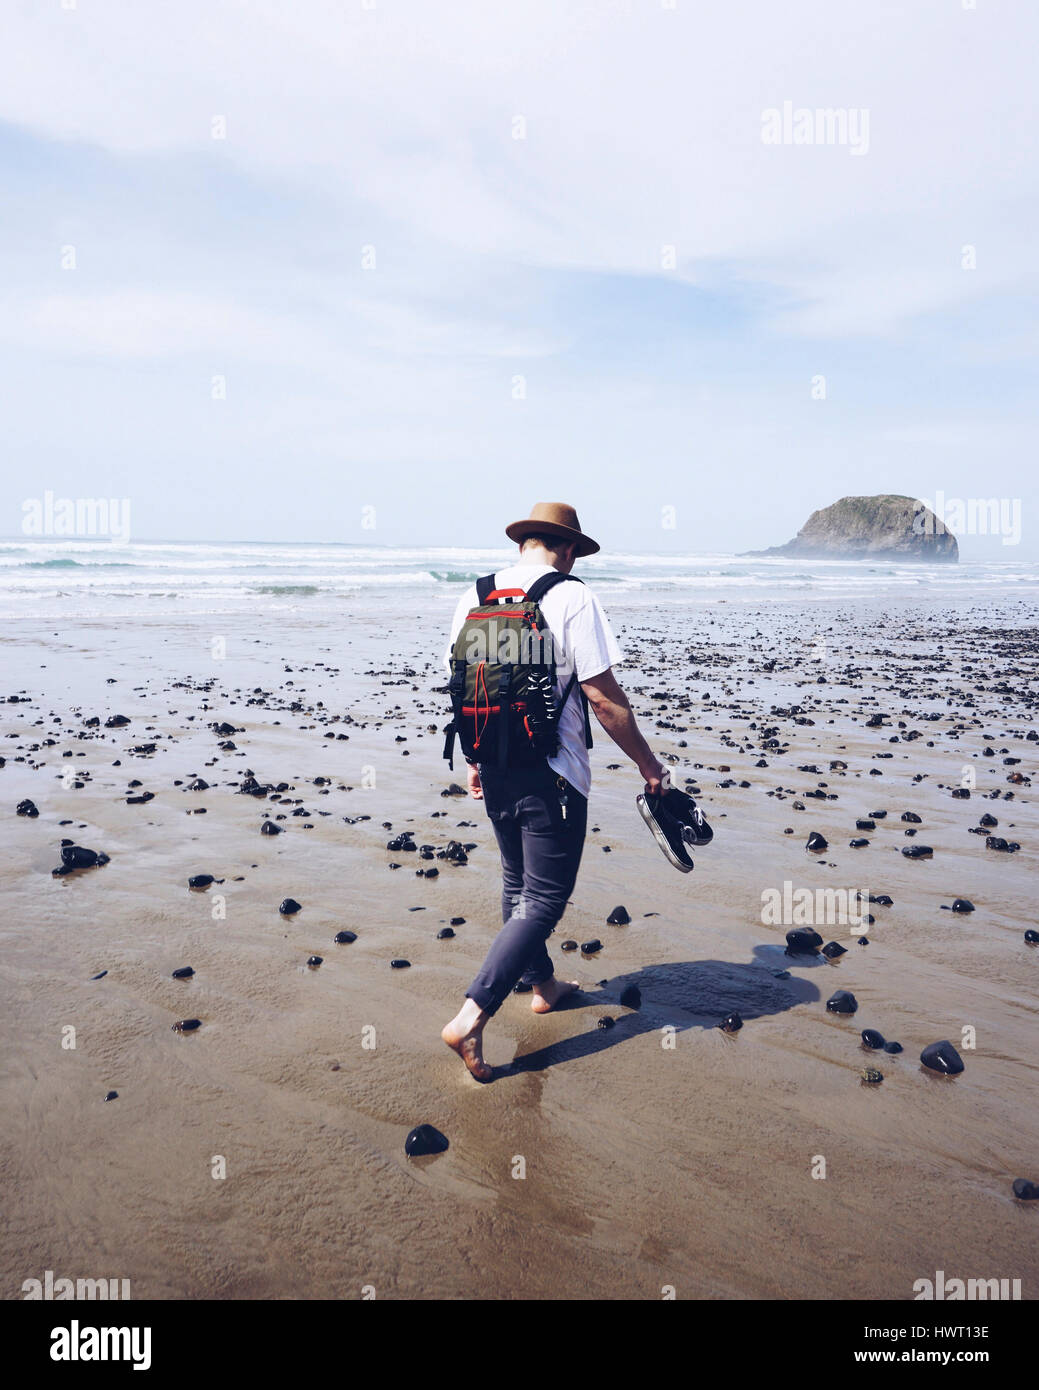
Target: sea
{"x":55,"y":580}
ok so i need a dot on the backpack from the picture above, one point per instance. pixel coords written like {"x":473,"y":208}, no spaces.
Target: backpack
{"x":503,"y":673}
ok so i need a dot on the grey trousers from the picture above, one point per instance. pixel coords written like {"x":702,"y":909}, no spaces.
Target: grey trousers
{"x":540,"y":855}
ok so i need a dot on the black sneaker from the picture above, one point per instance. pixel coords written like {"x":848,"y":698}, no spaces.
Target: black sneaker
{"x":677,"y":824}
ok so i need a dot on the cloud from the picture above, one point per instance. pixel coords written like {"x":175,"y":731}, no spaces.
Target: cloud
{"x":393,"y":127}
{"x":642,"y":125}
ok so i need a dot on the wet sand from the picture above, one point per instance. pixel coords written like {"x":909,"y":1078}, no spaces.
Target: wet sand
{"x":647,"y":1165}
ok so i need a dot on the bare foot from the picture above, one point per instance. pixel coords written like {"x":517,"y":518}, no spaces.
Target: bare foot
{"x":548,"y":994}
{"x":465,"y":1037}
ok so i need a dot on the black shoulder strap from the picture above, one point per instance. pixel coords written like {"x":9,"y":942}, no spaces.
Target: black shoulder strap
{"x":483,"y":588}
{"x":541,"y":586}
{"x":536,"y":592}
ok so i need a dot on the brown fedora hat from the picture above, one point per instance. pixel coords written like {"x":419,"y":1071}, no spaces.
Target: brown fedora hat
{"x":553,"y":519}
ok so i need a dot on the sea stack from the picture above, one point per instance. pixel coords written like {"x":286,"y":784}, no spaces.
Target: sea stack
{"x":888,"y":526}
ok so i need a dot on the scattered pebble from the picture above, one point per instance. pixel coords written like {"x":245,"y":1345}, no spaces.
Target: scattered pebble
{"x":424,"y":1139}
{"x":843,"y":1002}
{"x":943,"y":1057}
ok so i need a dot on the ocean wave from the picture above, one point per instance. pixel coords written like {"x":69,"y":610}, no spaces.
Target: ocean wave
{"x":287,"y":589}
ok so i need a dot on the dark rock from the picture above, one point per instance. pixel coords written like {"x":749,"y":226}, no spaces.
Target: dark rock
{"x":458,"y":921}
{"x":917,"y":851}
{"x":618,"y":917}
{"x":943,"y":1057}
{"x":865,"y":825}
{"x":270,"y":828}
{"x":26,"y":808}
{"x":76,"y":857}
{"x":962,"y":905}
{"x":399,"y":964}
{"x":314,"y":961}
{"x":116,"y":721}
{"x":872,"y":1038}
{"x":445,"y":934}
{"x":893,"y":1047}
{"x":187,"y":1025}
{"x":522,"y":988}
{"x":731,"y":1023}
{"x":911,"y":818}
{"x":803,"y":941}
{"x":201,"y":881}
{"x":424,"y":1139}
{"x":344,"y":938}
{"x":857,"y":844}
{"x":1032,"y":937}
{"x":843,"y":1002}
{"x":589,"y":948}
{"x":872,"y":1076}
{"x":100,"y":976}
{"x":290,"y":907}
{"x":112,"y":1095}
{"x":568,"y":945}
{"x":1026,"y":1191}
{"x":817,"y":842}
{"x":605,"y":1022}
{"x":833,"y":949}
{"x":184,"y":973}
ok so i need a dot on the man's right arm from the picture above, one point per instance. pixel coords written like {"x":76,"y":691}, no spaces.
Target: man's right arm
{"x":610,"y":706}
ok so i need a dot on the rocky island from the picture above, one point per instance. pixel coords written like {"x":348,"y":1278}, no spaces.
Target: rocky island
{"x":883,"y":527}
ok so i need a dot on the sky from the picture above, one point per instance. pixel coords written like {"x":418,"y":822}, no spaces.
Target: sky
{"x":391,"y":271}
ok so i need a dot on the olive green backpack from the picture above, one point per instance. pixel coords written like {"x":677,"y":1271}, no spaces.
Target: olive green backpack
{"x":502,"y":683}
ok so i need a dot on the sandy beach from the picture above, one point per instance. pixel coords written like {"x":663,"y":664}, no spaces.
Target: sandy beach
{"x":601,"y":1163}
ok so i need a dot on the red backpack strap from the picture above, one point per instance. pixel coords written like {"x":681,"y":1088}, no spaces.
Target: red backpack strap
{"x":487,"y":593}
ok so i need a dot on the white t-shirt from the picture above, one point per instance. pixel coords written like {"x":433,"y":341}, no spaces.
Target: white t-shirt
{"x":581,"y":634}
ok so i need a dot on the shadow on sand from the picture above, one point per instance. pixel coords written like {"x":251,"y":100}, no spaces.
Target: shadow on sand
{"x":683,"y":994}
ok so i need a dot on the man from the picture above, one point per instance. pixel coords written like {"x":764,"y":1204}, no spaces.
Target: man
{"x":540,"y":814}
